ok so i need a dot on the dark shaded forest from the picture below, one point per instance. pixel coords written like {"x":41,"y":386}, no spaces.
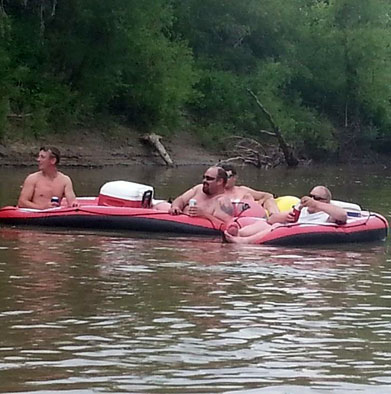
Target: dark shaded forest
{"x":321,"y":68}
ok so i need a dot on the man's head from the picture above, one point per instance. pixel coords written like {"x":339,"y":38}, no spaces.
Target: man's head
{"x":321,"y":193}
{"x":231,"y":175}
{"x":48,"y":156}
{"x":214,"y":181}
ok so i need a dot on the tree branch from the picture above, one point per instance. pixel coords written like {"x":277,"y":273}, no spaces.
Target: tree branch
{"x":290,"y":158}
{"x":54,"y":6}
{"x":42,"y":19}
{"x":2,"y":8}
{"x":268,"y":133}
{"x":18,"y":116}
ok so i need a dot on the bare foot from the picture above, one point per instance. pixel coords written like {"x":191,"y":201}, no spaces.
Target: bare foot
{"x":233,"y":239}
{"x":162,"y":206}
{"x":233,"y":229}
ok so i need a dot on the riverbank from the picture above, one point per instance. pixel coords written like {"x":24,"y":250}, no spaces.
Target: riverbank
{"x":123,"y":146}
{"x":86,"y":148}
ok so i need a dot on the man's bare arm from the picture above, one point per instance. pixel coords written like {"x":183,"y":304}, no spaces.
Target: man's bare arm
{"x":281,"y":217}
{"x":27,"y":194}
{"x":225,"y":210}
{"x":271,"y":206}
{"x":264,"y":198}
{"x":337,"y":214}
{"x":69,"y":194}
{"x":181,"y":201}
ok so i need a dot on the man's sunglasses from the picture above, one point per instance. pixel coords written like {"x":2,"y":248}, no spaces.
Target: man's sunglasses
{"x":317,"y":198}
{"x":208,"y":178}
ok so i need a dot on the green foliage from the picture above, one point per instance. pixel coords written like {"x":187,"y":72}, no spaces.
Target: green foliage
{"x":83,"y":58}
{"x":123,"y":61}
{"x":320,"y":67}
{"x":214,"y":135}
{"x":303,"y":127}
{"x":345,"y":58}
{"x":4,"y":73}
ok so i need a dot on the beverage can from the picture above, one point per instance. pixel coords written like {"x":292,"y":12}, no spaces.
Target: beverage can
{"x":55,"y":200}
{"x":192,"y":202}
{"x":296,"y":209}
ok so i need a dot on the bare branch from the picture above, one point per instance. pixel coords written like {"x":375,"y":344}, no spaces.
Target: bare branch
{"x":346,"y":114}
{"x":265,"y":111}
{"x":268,"y":133}
{"x":230,"y":159}
{"x":42,"y":11}
{"x":290,"y":158}
{"x":54,"y":6}
{"x":18,"y":116}
{"x":2,"y":8}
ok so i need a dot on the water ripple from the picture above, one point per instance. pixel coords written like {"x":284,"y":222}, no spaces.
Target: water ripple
{"x":115,"y":314}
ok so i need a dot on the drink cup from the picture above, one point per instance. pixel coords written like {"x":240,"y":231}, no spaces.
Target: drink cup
{"x":192,"y":202}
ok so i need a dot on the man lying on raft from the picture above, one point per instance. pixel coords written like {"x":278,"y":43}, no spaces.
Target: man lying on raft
{"x":314,"y":208}
{"x":243,"y":193}
{"x":209,"y":199}
{"x":39,"y":187}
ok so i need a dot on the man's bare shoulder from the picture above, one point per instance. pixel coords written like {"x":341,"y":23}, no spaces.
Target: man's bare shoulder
{"x":35,"y":176}
{"x":222,"y":198}
{"x":63,"y":177}
{"x":244,"y":188}
{"x":195,"y":191}
{"x":197,"y":188}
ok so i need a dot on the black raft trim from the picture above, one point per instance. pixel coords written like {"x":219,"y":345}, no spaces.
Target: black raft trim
{"x":325,"y":238}
{"x":106,"y":222}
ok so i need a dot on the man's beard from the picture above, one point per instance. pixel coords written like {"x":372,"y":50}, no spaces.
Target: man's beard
{"x":205,"y":188}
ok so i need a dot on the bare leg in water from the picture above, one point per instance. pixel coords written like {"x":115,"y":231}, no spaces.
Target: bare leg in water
{"x":248,"y":234}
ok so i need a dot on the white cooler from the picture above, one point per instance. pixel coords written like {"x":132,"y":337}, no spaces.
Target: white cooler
{"x":125,"y":194}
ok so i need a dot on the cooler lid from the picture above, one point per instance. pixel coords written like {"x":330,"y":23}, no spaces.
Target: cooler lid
{"x":125,"y":190}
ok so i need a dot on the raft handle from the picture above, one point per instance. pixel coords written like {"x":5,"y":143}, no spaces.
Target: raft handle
{"x":146,"y":201}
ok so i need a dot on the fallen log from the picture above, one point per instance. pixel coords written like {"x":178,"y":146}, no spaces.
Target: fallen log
{"x":154,"y":140}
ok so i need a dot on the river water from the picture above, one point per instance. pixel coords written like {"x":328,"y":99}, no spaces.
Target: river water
{"x":85,"y":311}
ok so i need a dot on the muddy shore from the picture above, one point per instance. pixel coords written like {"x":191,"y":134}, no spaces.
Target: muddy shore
{"x":86,"y":149}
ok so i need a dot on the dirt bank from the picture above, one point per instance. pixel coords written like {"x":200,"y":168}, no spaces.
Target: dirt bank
{"x":94,"y":149}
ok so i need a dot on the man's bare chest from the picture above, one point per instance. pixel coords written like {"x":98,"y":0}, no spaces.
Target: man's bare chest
{"x":49,"y":188}
{"x":207,"y":203}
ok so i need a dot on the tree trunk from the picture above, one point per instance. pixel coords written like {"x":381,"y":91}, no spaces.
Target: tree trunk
{"x":290,"y":158}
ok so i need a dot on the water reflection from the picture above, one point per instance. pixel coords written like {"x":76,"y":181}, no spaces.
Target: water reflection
{"x":118,"y":312}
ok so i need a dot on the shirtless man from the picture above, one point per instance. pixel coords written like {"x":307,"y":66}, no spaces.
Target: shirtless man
{"x":211,"y":201}
{"x":39,"y":187}
{"x":241,"y":193}
{"x":315,"y":208}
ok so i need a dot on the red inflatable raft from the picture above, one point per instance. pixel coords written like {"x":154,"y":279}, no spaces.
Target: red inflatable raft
{"x":125,"y":206}
{"x":364,"y":228}
{"x":110,"y":218}
{"x":122,"y":205}
{"x":368,"y":227}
